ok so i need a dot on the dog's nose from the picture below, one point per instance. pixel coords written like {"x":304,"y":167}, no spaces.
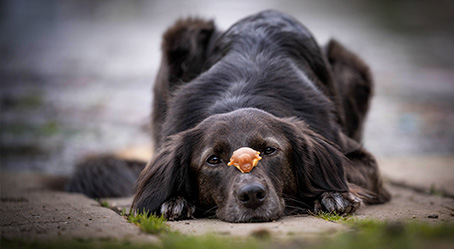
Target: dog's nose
{"x":252,"y":195}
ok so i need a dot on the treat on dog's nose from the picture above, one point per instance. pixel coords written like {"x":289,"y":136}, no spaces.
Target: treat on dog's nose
{"x":244,"y":159}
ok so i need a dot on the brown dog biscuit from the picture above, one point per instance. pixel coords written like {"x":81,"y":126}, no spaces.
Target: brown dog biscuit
{"x":245,"y":159}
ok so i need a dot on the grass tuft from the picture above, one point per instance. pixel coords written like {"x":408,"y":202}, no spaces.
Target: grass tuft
{"x":104,"y":203}
{"x":334,"y":217}
{"x":149,"y":223}
{"x":123,"y":213}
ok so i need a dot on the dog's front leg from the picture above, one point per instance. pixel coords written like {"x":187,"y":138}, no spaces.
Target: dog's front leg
{"x":177,"y":208}
{"x":336,"y":202}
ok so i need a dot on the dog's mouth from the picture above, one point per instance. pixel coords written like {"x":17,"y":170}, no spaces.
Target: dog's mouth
{"x":237,"y":211}
{"x":250,"y":216}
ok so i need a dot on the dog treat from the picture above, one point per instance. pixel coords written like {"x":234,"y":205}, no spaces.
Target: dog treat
{"x":245,"y":159}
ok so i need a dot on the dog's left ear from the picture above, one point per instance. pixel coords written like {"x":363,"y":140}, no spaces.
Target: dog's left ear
{"x":317,"y":163}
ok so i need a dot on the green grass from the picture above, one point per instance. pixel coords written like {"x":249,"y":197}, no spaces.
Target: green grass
{"x":123,"y":212}
{"x":175,"y":240}
{"x":370,"y":234}
{"x":26,"y":102}
{"x":373,"y":234}
{"x":75,"y":244}
{"x":104,"y":203}
{"x":149,"y":223}
{"x":168,"y":242}
{"x":47,"y":129}
{"x":334,"y":217}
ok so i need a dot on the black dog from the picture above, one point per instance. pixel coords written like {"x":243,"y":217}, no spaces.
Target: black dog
{"x":263,"y":84}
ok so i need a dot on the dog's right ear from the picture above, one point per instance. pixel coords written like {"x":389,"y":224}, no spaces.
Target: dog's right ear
{"x":317,"y":163}
{"x":167,"y":175}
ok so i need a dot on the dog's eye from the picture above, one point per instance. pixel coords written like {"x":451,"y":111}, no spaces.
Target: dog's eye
{"x":269,"y":151}
{"x":213,"y":160}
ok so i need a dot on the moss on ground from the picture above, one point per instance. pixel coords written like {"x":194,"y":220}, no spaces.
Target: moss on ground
{"x":334,"y":217}
{"x":368,"y":234}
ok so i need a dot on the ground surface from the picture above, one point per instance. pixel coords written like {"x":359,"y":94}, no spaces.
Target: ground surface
{"x":76,"y":80}
{"x":31,"y":209}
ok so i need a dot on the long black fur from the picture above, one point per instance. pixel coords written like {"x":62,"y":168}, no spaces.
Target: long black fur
{"x":105,"y":176}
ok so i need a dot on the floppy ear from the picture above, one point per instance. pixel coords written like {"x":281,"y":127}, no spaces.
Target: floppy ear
{"x":167,"y":175}
{"x":317,"y":163}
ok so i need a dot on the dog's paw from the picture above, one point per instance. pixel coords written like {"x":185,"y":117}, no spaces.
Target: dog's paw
{"x":340,"y":203}
{"x":177,"y":208}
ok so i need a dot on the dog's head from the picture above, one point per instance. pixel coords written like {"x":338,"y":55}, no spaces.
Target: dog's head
{"x":193,"y":165}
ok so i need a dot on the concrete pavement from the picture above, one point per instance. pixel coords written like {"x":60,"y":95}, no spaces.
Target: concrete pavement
{"x":31,"y":209}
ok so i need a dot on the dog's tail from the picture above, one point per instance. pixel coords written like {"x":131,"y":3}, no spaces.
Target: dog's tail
{"x":105,"y":176}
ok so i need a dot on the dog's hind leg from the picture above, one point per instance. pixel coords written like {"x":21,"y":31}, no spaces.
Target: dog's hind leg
{"x":185,"y":48}
{"x":362,"y":173}
{"x":356,"y":89}
{"x":355,"y":86}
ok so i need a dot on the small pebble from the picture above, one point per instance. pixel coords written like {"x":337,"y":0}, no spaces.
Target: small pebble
{"x":433,"y":216}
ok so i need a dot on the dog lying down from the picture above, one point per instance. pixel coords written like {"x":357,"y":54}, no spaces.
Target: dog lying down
{"x":291,"y":111}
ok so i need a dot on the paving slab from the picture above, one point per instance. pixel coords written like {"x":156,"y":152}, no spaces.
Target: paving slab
{"x":31,"y":210}
{"x":411,"y":182}
{"x":406,"y":205}
{"x":409,"y":205}
{"x":302,"y":225}
{"x":431,"y":174}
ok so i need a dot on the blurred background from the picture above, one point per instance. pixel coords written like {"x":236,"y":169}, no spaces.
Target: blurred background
{"x":76,"y":76}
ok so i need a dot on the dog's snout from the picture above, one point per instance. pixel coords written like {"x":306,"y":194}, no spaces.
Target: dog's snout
{"x":252,"y":195}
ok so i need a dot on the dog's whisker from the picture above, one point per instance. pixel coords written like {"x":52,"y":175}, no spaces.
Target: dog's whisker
{"x":292,"y":199}
{"x":209,"y":211}
{"x":295,"y":209}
